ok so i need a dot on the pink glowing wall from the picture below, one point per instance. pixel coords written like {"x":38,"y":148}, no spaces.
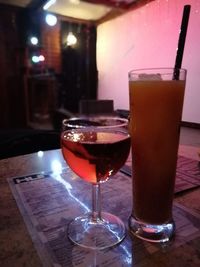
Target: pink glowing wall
{"x":148,"y":37}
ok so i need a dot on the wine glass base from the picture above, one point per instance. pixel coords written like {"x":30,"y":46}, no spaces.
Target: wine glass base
{"x":152,"y":232}
{"x":105,"y":233}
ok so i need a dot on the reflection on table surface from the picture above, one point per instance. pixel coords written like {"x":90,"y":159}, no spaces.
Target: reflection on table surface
{"x":17,"y":247}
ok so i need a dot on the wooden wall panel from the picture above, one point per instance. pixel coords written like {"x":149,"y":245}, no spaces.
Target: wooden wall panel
{"x":51,"y":45}
{"x":11,"y":87}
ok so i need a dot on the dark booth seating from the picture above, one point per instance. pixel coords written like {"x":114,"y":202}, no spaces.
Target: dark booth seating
{"x":19,"y":142}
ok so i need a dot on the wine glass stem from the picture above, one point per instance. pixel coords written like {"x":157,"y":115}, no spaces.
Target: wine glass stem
{"x":96,"y":202}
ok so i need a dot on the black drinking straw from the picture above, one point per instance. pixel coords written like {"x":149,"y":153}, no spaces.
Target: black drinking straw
{"x":181,"y":41}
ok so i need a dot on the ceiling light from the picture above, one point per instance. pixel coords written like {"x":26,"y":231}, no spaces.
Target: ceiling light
{"x":48,"y":4}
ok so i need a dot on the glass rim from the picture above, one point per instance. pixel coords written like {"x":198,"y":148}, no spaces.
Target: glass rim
{"x":169,"y":69}
{"x":95,"y":119}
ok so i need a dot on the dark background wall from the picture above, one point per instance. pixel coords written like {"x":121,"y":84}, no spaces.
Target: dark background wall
{"x":11,"y":62}
{"x":74,"y":68}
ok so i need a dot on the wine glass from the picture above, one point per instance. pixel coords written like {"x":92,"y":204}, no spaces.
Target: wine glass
{"x":95,"y":149}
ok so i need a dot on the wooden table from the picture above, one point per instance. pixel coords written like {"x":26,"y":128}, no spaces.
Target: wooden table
{"x":16,"y":246}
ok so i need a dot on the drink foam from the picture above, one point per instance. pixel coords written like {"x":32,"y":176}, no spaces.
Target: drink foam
{"x":150,"y":77}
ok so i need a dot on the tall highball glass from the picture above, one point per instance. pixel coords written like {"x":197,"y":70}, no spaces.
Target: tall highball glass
{"x":156,"y":102}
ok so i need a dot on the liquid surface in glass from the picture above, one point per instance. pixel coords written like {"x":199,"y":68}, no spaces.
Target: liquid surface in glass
{"x":95,"y":156}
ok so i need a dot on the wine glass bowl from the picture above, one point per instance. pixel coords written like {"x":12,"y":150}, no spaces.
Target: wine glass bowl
{"x":95,"y":149}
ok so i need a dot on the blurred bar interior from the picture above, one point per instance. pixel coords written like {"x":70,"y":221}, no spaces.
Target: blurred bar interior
{"x":55,"y":55}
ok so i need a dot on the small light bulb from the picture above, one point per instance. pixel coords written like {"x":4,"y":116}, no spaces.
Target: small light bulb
{"x":34,"y":40}
{"x":51,"y":20}
{"x":41,"y":58}
{"x":71,"y":39}
{"x":35,"y":59}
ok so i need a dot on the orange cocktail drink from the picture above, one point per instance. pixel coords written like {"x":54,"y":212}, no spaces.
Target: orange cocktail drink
{"x":156,"y":102}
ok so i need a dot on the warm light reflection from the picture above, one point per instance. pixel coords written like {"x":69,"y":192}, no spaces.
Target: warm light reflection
{"x":76,"y":137}
{"x":71,"y":39}
{"x":110,"y":173}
